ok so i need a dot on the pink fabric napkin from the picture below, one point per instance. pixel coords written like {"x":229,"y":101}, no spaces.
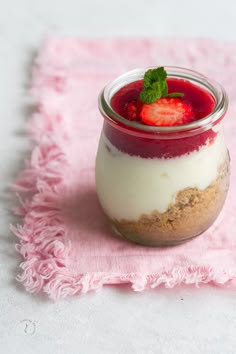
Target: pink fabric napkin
{"x":66,"y":244}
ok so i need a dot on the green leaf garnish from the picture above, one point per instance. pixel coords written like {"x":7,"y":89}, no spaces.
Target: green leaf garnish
{"x":155,"y":86}
{"x":154,"y":75}
{"x":149,"y":95}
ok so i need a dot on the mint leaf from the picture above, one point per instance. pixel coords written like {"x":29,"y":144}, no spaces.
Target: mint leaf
{"x":153,"y":75}
{"x":149,"y":95}
{"x":160,"y":86}
{"x":155,"y":86}
{"x":147,"y":80}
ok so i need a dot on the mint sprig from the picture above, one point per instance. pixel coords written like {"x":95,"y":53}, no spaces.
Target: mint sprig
{"x":155,"y":86}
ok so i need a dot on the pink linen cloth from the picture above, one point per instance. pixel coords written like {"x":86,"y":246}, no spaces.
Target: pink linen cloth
{"x":66,"y":244}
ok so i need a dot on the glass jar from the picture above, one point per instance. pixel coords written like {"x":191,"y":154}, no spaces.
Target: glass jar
{"x":161,"y":186}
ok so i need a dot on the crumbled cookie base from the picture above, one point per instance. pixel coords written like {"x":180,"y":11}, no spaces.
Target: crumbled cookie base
{"x":192,"y":213}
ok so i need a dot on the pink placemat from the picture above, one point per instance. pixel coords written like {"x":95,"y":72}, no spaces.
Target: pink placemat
{"x":66,"y":244}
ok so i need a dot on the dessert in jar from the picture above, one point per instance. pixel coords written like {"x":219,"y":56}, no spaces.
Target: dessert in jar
{"x":162,"y":167}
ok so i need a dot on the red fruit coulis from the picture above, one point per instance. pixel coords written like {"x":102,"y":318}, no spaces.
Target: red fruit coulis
{"x":201,"y":101}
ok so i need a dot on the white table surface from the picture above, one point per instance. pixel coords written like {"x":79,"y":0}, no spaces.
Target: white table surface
{"x":179,"y":321}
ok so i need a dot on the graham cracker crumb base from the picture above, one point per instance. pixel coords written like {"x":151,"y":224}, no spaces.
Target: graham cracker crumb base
{"x":193,"y":211}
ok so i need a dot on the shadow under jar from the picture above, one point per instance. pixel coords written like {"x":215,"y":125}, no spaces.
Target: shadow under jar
{"x":161,"y":186}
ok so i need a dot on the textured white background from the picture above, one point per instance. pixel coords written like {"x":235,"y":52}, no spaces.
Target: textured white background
{"x":179,"y":321}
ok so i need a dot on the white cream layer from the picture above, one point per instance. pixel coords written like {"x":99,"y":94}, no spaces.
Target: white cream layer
{"x":129,"y":186}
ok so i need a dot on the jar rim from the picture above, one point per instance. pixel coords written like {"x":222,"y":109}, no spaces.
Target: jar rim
{"x":217,"y":91}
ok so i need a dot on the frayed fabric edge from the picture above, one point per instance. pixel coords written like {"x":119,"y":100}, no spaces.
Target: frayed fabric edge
{"x":46,"y":275}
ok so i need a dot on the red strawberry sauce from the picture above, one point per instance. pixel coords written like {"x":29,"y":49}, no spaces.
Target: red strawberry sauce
{"x":202,"y":102}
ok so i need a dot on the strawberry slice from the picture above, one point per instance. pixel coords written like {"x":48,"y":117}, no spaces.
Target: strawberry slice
{"x":134,"y":109}
{"x":167,"y":112}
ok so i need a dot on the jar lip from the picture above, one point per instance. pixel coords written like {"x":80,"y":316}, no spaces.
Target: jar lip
{"x":211,"y":86}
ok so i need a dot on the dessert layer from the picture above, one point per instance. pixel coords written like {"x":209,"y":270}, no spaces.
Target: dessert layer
{"x":201,"y":101}
{"x":195,"y":97}
{"x":150,"y":146}
{"x":192,"y":213}
{"x":130,"y":186}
